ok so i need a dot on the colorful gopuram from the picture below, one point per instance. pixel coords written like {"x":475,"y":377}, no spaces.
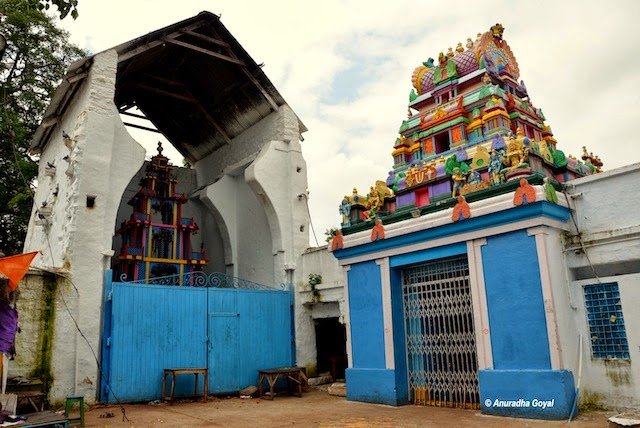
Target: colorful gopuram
{"x":472,"y":131}
{"x":453,"y":266}
{"x":156,"y":239}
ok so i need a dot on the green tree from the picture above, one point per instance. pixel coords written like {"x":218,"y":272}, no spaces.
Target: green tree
{"x":65,"y":7}
{"x":34,"y":61}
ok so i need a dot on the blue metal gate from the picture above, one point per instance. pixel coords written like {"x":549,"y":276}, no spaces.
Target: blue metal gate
{"x":232,"y":327}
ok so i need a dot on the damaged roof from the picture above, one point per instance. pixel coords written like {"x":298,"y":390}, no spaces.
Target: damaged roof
{"x":192,"y":80}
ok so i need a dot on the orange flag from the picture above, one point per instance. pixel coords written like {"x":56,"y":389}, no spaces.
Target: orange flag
{"x":15,"y":267}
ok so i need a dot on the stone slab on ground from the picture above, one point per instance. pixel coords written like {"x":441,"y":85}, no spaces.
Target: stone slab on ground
{"x":625,"y":420}
{"x":315,"y":381}
{"x":339,"y":389}
{"x":248,"y":391}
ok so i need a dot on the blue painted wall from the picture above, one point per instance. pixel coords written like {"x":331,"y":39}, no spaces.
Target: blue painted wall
{"x":537,"y":209}
{"x":514,"y":300}
{"x":521,"y":376}
{"x":399,"y":347}
{"x":372,"y":386}
{"x":422,"y":256}
{"x":365,"y":314}
{"x":539,"y":394}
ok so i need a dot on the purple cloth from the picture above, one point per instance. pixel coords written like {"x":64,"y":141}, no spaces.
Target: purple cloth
{"x":8,"y":326}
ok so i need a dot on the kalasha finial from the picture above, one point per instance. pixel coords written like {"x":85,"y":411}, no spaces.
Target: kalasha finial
{"x":497,"y":31}
{"x":469,"y":43}
{"x":450,"y":53}
{"x":459,"y":48}
{"x":442,"y":59}
{"x":592,"y":159}
{"x":160,"y":149}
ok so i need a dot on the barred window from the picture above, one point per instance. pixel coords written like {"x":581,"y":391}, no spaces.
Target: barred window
{"x":606,"y":323}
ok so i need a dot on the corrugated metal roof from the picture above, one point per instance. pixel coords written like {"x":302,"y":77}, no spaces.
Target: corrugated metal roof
{"x":192,"y":80}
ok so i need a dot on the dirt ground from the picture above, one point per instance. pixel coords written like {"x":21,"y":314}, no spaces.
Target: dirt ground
{"x":315,"y":409}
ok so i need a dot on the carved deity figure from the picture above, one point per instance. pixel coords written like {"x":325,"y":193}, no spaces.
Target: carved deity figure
{"x":375,"y":201}
{"x":474,"y":177}
{"x":458,"y":181}
{"x":495,"y":166}
{"x":517,"y":151}
{"x":345,"y":210}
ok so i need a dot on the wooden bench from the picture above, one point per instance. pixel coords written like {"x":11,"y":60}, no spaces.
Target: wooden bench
{"x":175,"y":372}
{"x":295,"y":376}
{"x":35,"y":398}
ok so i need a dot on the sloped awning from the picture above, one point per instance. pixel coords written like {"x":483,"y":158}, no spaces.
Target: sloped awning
{"x":192,"y":80}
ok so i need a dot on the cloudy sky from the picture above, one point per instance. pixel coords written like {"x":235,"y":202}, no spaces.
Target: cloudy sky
{"x":345,"y":68}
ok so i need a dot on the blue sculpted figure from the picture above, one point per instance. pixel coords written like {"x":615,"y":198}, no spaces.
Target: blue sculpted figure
{"x":495,"y":166}
{"x":474,"y":177}
{"x":345,"y":210}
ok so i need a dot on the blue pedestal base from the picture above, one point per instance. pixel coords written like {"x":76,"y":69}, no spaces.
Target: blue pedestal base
{"x":535,"y":394}
{"x":374,"y":386}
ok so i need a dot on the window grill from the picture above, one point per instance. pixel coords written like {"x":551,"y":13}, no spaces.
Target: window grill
{"x":606,"y":322}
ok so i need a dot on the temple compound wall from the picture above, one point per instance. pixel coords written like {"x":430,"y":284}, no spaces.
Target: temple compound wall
{"x":602,"y":255}
{"x":245,"y":197}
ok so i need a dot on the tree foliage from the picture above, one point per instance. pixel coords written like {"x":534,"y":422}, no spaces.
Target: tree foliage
{"x":65,"y":7}
{"x":35,"y":59}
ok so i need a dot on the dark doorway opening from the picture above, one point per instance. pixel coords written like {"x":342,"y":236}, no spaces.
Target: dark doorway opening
{"x":331,"y":340}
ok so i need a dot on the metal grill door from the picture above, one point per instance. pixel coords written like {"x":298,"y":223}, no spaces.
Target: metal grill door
{"x":440,"y":340}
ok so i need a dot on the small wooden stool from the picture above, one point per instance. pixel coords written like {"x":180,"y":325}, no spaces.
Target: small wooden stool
{"x":71,"y":401}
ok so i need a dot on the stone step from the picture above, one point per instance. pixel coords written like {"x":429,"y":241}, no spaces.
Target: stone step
{"x":338,"y":389}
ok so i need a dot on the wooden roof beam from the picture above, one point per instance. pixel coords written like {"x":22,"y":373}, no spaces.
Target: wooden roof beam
{"x":246,"y":72}
{"x":270,"y":100}
{"x":143,"y":48}
{"x":186,"y":98}
{"x":214,"y":123}
{"x":206,"y":38}
{"x":204,"y":51}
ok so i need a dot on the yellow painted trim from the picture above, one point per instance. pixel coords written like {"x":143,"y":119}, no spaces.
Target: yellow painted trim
{"x":181,"y":273}
{"x":175,"y":232}
{"x":415,"y":147}
{"x":175,"y":214}
{"x":146,"y":271}
{"x":159,"y":260}
{"x":149,"y":240}
{"x":494,"y":114}
{"x":473,"y":125}
{"x":419,"y":79}
{"x":398,"y":151}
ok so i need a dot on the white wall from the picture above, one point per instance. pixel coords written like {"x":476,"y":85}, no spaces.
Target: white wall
{"x":330,"y":302}
{"x":77,"y":240}
{"x":262,"y":171}
{"x":251,"y":188}
{"x":607,"y":218}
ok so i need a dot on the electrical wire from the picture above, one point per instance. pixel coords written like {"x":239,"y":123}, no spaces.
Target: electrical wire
{"x":579,"y":235}
{"x":47,"y":225}
{"x":95,"y":356}
{"x":313,"y":230}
